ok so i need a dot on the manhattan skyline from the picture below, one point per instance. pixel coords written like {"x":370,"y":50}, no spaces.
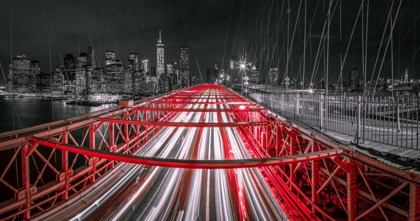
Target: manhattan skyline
{"x":131,"y":26}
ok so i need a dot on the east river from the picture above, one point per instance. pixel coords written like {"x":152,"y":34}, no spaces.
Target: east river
{"x":33,"y":111}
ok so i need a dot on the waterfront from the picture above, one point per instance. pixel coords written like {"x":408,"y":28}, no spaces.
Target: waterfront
{"x":33,"y":111}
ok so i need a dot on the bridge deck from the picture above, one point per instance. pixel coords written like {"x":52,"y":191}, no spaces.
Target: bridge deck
{"x":302,"y":174}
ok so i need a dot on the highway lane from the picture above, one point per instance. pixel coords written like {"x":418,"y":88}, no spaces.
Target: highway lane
{"x":155,"y":193}
{"x":183,"y":202}
{"x":180,"y":194}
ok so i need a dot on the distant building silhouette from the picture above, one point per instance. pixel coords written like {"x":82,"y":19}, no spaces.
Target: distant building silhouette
{"x":184,"y":66}
{"x":211,"y":75}
{"x":353,"y":79}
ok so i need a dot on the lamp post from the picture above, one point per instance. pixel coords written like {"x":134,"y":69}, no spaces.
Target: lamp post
{"x":242,"y":69}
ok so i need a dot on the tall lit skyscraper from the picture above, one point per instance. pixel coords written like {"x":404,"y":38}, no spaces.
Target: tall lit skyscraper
{"x":160,"y":69}
{"x":184,"y":66}
{"x":91,"y":57}
{"x":145,"y":66}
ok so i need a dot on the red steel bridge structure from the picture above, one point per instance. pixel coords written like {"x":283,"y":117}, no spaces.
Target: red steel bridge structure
{"x":306,"y":174}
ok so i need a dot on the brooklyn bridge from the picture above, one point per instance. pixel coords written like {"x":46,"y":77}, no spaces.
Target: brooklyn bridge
{"x":310,"y":113}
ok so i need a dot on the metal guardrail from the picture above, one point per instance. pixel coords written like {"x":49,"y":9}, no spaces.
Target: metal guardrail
{"x":380,"y":118}
{"x":15,"y":138}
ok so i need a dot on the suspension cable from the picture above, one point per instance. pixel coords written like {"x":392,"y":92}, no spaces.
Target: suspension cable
{"x":189,"y":39}
{"x":14,"y":109}
{"x":227,"y":34}
{"x":237,"y":29}
{"x":50,"y":58}
{"x":389,"y":40}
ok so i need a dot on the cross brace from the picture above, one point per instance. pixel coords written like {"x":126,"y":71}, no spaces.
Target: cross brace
{"x":183,"y":124}
{"x":190,"y":164}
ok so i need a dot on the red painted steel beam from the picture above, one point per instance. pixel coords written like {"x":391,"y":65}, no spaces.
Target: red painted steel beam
{"x":176,"y":96}
{"x":201,"y":102}
{"x":184,"y":124}
{"x":190,"y":164}
{"x":196,"y":110}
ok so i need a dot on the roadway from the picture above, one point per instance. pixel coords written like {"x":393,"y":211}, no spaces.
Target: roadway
{"x":156,"y":193}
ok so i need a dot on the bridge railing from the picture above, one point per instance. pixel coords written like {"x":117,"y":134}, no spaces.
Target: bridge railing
{"x":392,"y":120}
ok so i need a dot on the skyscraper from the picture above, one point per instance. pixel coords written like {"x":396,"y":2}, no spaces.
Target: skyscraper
{"x":33,"y":81}
{"x":70,"y":65}
{"x":134,"y":57}
{"x":160,"y":69}
{"x":353,"y":79}
{"x":153,"y":71}
{"x":170,"y":69}
{"x":91,"y":57}
{"x":175,"y":79}
{"x":235,"y":77}
{"x":19,"y":72}
{"x":184,"y":66}
{"x":145,"y":66}
{"x":273,"y":76}
{"x":82,"y":63}
{"x":110,"y":57}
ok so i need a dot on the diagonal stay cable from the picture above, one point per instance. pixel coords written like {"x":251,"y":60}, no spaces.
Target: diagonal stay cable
{"x":58,"y":49}
{"x":189,"y":39}
{"x":227,"y":34}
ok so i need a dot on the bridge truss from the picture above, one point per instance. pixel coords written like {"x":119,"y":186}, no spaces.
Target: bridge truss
{"x":310,"y":176}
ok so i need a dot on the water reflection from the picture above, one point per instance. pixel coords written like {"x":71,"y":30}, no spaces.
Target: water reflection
{"x":33,"y":112}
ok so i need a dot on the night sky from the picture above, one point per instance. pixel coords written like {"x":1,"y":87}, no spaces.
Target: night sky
{"x":136,"y":24}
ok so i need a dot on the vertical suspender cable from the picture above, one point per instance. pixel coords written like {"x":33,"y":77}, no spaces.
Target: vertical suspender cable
{"x":11,"y":57}
{"x":341,"y":54}
{"x":304,"y":49}
{"x":99,"y":39}
{"x":351,"y":37}
{"x":382,"y":40}
{"x":49,"y":52}
{"x":392,"y":59}
{"x":14,"y":109}
{"x":236,"y":34}
{"x":227,"y":35}
{"x":11,"y":86}
{"x":56,"y":45}
{"x":414,"y":44}
{"x":389,"y":39}
{"x":328,"y":49}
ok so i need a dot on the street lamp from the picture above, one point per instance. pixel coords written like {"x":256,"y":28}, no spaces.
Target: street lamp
{"x":311,"y":88}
